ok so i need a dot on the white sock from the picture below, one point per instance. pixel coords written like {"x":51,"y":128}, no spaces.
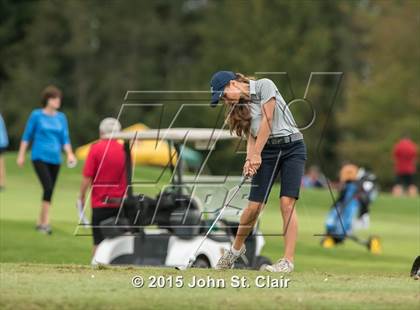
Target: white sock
{"x":234,"y":251}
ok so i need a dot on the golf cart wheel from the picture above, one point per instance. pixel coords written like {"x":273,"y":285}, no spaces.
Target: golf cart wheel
{"x":262,"y":262}
{"x":201,"y":262}
{"x":374,"y":245}
{"x":328,"y":242}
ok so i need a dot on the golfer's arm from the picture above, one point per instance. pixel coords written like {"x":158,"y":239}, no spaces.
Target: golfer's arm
{"x":84,"y":186}
{"x":250,"y":146}
{"x":266,"y":125}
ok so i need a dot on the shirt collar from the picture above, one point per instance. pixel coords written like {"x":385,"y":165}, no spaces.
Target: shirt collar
{"x":252,"y":90}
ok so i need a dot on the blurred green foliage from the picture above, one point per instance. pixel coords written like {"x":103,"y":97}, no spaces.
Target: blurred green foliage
{"x":98,"y":50}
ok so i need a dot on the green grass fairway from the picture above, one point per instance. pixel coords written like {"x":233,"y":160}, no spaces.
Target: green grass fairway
{"x":36,"y":286}
{"x":39,"y":271}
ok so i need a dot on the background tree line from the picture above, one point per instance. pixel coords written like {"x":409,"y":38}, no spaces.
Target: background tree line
{"x":97,"y":50}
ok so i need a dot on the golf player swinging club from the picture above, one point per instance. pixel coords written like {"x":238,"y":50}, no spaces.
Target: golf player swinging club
{"x":257,"y":110}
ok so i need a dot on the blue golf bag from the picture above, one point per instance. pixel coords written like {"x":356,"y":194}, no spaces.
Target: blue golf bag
{"x":351,"y":206}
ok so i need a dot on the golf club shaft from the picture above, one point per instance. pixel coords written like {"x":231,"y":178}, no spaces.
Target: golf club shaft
{"x":243,"y":180}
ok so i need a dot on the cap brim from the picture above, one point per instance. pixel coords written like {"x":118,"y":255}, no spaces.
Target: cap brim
{"x":215,"y":97}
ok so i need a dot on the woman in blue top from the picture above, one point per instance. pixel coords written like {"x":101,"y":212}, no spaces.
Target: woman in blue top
{"x":47,"y":130}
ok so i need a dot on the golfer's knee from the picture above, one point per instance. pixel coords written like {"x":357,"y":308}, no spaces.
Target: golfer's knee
{"x":287,"y":204}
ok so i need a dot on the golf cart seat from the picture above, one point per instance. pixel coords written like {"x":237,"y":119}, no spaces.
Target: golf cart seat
{"x":115,"y":226}
{"x":178,"y":213}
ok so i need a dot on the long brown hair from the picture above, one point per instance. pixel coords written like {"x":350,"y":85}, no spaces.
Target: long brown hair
{"x":238,"y":115}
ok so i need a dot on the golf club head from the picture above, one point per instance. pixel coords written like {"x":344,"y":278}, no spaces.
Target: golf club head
{"x":189,"y":265}
{"x":192,"y":259}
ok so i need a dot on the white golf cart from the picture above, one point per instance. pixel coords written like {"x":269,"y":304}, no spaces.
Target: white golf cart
{"x":166,"y":230}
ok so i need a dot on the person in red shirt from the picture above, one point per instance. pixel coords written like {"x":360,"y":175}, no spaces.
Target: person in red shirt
{"x":105,"y":172}
{"x":405,"y":159}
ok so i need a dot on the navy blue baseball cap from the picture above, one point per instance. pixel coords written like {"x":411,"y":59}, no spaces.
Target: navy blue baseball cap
{"x":217,"y":84}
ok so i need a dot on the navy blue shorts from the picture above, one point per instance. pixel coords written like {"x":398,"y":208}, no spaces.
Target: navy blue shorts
{"x":288,"y":159}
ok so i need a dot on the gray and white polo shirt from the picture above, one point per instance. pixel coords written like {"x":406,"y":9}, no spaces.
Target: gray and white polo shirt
{"x":262,"y":91}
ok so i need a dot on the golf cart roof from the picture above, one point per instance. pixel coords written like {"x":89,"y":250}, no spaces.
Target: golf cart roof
{"x":201,"y":136}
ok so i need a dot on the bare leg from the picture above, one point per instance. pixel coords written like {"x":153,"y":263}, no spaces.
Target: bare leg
{"x":397,"y":191}
{"x":290,"y":226}
{"x":248,"y":219}
{"x":94,"y":250}
{"x":412,"y":191}
{"x":44,"y":214}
